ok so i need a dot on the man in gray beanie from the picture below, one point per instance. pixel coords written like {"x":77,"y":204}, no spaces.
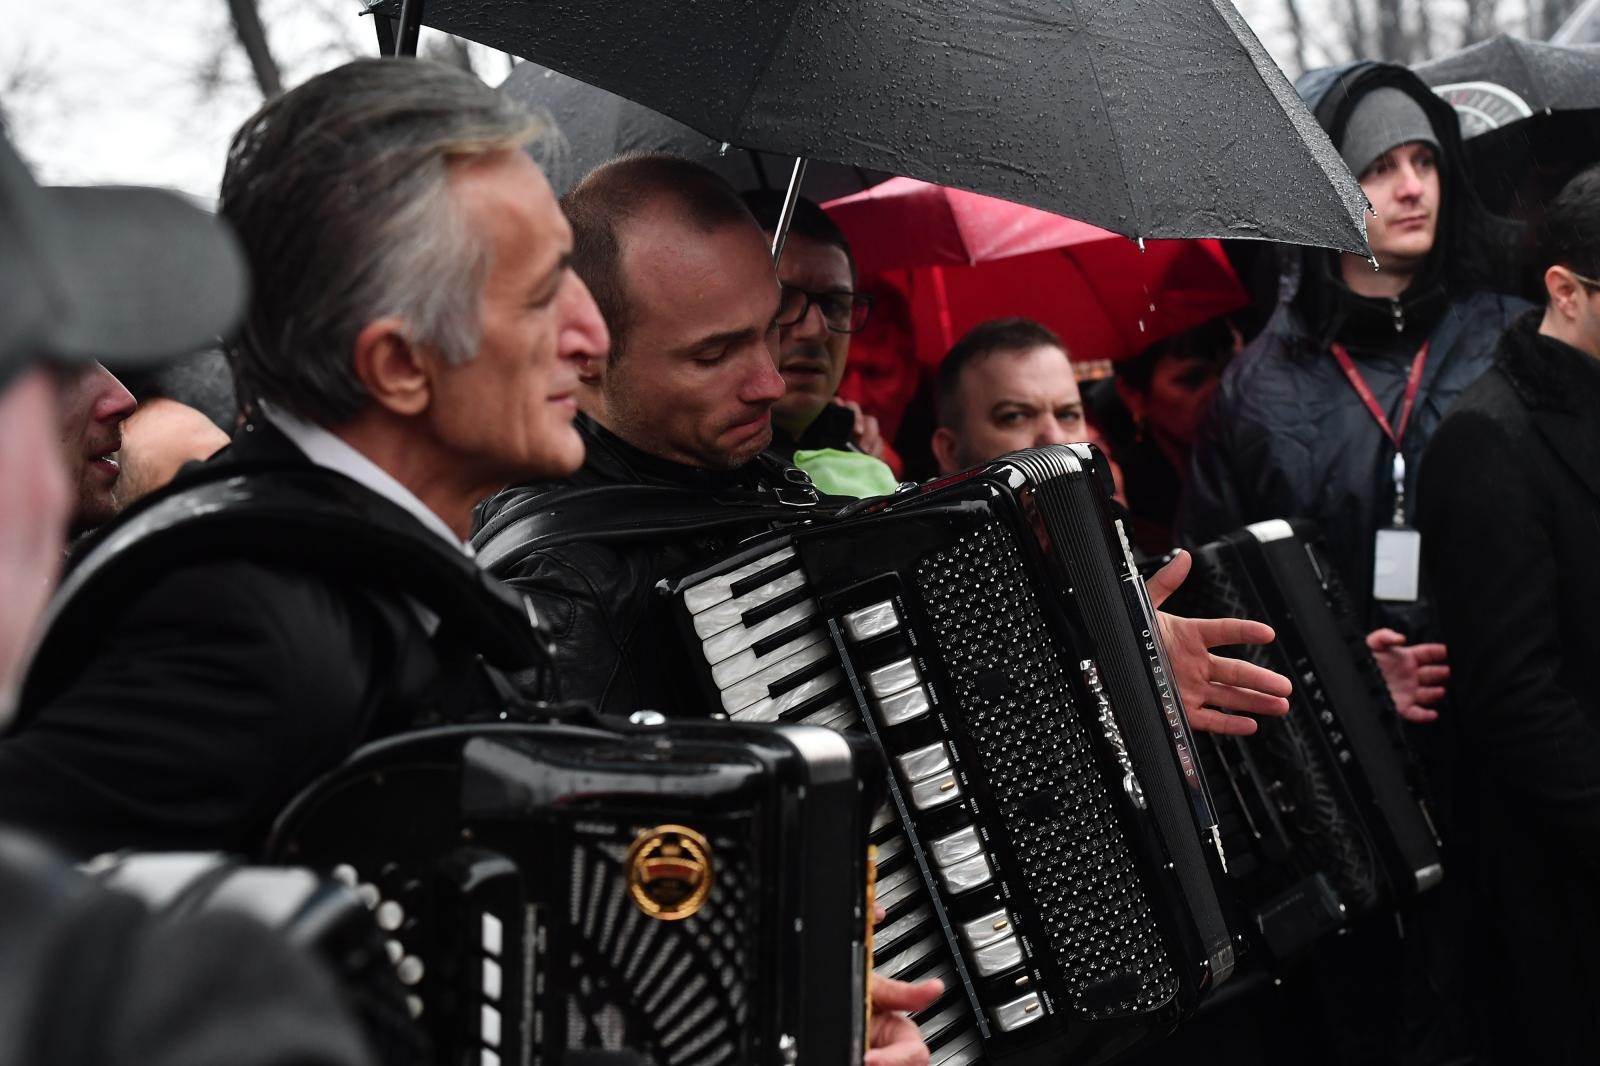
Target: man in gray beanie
{"x":1325,"y":416}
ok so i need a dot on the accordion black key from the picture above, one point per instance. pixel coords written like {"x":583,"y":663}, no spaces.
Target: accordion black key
{"x":663,"y":895}
{"x":1321,"y":816}
{"x":1045,"y":850}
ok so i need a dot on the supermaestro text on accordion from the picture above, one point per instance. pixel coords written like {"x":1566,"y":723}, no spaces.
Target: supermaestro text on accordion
{"x":1049,"y":849}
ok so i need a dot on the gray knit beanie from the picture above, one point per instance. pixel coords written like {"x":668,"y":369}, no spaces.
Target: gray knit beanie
{"x":1384,"y":118}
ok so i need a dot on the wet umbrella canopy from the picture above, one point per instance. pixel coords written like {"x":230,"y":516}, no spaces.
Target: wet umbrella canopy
{"x":1146,"y":117}
{"x":1505,"y":79}
{"x":1530,"y":116}
{"x":596,"y":126}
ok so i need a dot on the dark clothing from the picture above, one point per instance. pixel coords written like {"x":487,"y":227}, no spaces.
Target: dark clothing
{"x":614,"y":640}
{"x":1149,"y":480}
{"x":89,"y":976}
{"x":1510,"y":515}
{"x":1287,"y":436}
{"x":834,"y":427}
{"x":220,"y":688}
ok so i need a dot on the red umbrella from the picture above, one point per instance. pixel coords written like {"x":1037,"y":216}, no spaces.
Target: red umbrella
{"x":958,"y":258}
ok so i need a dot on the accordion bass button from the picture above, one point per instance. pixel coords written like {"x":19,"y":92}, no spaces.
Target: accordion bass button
{"x":962,"y":844}
{"x":925,"y":762}
{"x":904,"y":706}
{"x":999,"y":956}
{"x":1017,"y":1013}
{"x":895,"y":677}
{"x":981,"y":932}
{"x":967,"y":874}
{"x":873,"y":621}
{"x":935,"y":792}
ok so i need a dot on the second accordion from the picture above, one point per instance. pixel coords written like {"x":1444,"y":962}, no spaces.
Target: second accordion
{"x":1048,"y":850}
{"x":1322,"y":814}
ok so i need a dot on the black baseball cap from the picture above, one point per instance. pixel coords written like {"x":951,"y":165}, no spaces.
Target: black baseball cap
{"x":120,"y":275}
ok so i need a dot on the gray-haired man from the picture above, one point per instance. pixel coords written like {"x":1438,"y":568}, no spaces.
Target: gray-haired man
{"x":410,"y":348}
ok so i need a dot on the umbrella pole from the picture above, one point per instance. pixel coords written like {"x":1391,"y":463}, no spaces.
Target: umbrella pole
{"x":786,"y":216}
{"x":409,"y":28}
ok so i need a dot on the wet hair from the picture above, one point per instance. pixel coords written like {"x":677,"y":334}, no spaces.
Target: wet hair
{"x":979,"y":343}
{"x":339,"y":193}
{"x":1570,"y":233}
{"x":810,"y":221}
{"x":600,"y":205}
{"x":1211,"y":341}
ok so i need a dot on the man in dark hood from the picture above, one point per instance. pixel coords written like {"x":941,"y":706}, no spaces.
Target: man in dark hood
{"x":1312,"y":420}
{"x":1292,"y":433}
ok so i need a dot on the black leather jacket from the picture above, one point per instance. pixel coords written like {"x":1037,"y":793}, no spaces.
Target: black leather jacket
{"x":615,"y":645}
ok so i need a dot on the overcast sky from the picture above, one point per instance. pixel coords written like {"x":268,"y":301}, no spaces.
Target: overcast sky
{"x":149,"y":91}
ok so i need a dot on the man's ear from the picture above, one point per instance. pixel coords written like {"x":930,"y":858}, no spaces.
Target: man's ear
{"x":392,"y":368}
{"x":946,"y":450}
{"x":1563,"y":291}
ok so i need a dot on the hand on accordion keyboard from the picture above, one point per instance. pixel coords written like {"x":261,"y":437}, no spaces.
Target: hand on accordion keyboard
{"x":1217,"y":691}
{"x":894,"y":1040}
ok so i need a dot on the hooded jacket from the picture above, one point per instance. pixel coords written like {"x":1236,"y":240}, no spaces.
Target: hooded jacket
{"x":1287,"y":436}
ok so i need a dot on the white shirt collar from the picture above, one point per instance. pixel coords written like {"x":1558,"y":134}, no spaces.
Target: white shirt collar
{"x":330,"y":452}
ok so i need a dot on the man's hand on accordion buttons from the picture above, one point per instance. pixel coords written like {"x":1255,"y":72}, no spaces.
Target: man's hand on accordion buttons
{"x":1415,"y":673}
{"x":1217,"y":691}
{"x":894,"y":1040}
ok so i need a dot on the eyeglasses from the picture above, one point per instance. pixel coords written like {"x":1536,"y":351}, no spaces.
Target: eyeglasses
{"x":842,"y":312}
{"x":1589,"y":283}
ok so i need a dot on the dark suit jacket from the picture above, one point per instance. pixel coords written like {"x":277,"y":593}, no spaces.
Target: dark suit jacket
{"x":222,"y":688}
{"x":1509,"y":509}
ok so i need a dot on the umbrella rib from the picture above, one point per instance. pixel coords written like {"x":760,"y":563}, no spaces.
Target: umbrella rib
{"x":766,"y":65}
{"x":1094,"y":71}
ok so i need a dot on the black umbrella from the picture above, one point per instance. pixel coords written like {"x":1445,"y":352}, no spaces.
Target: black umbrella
{"x":1506,"y":79}
{"x":596,"y":126}
{"x":1153,"y":118}
{"x":1530,"y":113}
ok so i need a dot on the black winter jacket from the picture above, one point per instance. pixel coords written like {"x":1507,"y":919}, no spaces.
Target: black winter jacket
{"x":1510,"y":515}
{"x":1287,"y":436}
{"x":615,"y":642}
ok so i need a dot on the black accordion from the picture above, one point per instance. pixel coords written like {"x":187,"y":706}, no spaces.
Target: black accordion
{"x":1321,"y":816}
{"x":314,"y":913}
{"x":1048,"y":846}
{"x":656,"y":895}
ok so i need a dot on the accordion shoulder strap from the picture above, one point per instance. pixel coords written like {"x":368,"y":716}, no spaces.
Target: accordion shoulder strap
{"x":620,"y":514}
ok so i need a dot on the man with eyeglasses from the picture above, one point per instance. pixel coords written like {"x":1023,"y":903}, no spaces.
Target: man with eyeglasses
{"x":835,"y":442}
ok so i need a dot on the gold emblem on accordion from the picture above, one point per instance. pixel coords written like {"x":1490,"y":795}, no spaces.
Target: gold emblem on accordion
{"x":669,"y":872}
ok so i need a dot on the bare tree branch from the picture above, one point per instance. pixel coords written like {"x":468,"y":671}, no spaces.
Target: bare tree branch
{"x":1298,"y":30}
{"x":253,"y":38}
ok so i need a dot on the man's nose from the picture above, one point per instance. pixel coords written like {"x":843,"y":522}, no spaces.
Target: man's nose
{"x":763,"y":384}
{"x":812,"y":326}
{"x":584,"y":336}
{"x":1410,"y":183}
{"x":1051,"y":431}
{"x":114,"y":402}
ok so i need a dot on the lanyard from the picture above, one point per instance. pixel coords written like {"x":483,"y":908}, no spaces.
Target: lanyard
{"x":1397,"y":433}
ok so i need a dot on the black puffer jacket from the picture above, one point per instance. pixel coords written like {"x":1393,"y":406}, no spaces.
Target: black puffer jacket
{"x":1287,"y":436}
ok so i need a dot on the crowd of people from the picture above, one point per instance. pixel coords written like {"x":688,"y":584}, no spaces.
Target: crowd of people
{"x":407,"y":308}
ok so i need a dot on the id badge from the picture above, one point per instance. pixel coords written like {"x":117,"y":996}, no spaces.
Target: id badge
{"x":1396,"y":564}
